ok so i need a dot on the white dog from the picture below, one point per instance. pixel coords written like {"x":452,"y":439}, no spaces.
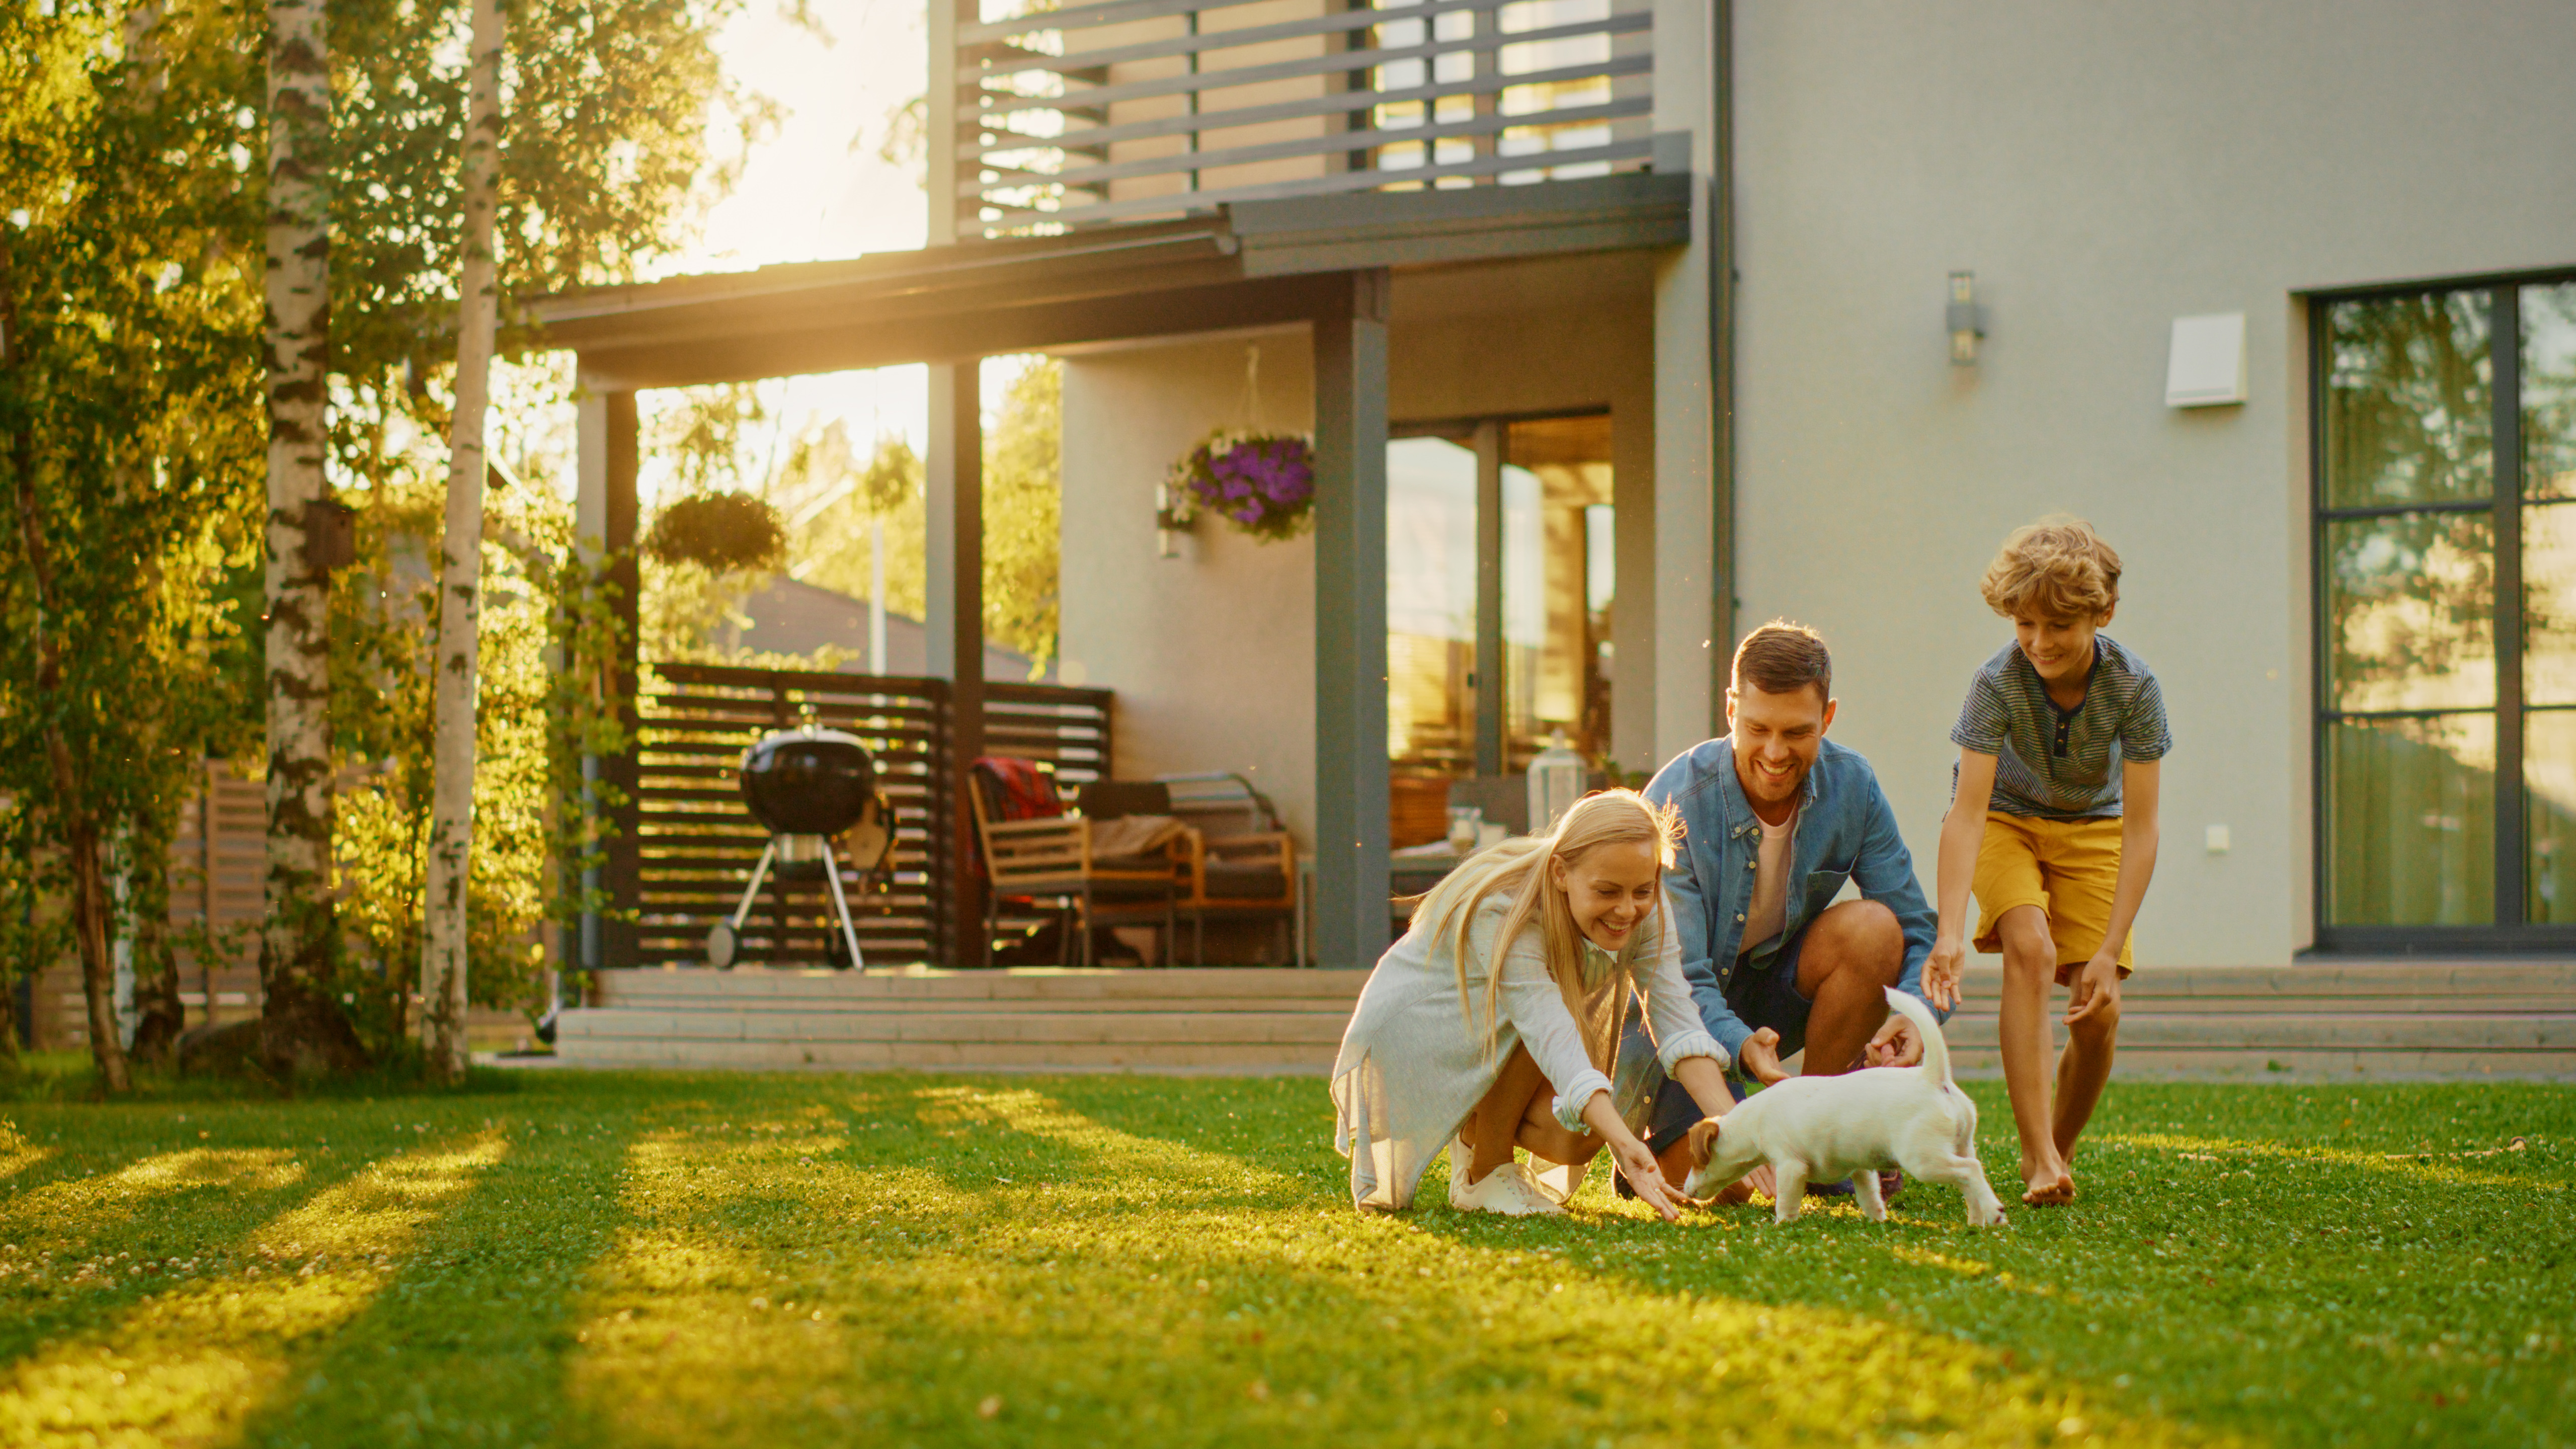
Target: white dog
{"x":1823,"y":1129}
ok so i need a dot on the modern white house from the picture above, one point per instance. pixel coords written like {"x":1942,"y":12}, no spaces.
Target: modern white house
{"x":1621,"y":325}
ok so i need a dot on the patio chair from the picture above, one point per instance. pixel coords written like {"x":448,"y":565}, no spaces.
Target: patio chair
{"x":1051,"y":857}
{"x":1242,"y":866}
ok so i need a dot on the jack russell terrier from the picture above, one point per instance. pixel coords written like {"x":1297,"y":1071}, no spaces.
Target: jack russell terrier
{"x":1824,"y":1129}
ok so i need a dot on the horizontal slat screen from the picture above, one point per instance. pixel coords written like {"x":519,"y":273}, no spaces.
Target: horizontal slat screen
{"x":699,"y":842}
{"x":1135,"y":109}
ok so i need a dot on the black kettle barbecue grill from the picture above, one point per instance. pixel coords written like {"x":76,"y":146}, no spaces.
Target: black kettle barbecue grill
{"x":808,"y":786}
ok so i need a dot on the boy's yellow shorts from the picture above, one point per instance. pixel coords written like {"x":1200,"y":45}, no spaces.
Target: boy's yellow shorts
{"x":2067,"y":868}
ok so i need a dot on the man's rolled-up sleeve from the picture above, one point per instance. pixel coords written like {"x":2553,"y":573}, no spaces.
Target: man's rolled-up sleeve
{"x":1687,"y":908}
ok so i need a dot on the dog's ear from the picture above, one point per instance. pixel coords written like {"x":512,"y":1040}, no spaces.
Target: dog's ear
{"x":1703,"y":1140}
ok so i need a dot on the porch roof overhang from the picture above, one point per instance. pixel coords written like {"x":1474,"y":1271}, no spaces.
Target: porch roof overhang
{"x":1246,"y":265}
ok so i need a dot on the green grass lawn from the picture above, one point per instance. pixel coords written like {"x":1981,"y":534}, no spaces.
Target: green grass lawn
{"x":658,"y":1259}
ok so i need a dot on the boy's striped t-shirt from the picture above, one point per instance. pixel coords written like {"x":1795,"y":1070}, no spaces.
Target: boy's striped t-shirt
{"x":2062,"y":764}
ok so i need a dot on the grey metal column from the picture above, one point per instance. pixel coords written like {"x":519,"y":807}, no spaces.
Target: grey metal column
{"x":1351,"y":897}
{"x":623,"y":868}
{"x":1492,"y":758}
{"x":2505,"y":348}
{"x":1721,"y":362}
{"x":955,"y":628}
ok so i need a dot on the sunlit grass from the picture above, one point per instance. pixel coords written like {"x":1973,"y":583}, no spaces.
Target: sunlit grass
{"x":648,"y":1260}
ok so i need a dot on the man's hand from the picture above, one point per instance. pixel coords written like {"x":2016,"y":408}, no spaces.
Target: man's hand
{"x":2095,"y":987}
{"x":1941,"y":973}
{"x":1896,"y":1045}
{"x":1760,"y":1057}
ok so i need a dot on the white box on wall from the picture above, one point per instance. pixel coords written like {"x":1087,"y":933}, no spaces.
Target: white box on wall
{"x":2207,"y":365}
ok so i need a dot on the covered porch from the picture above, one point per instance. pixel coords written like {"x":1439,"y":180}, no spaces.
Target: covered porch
{"x":1326,"y":271}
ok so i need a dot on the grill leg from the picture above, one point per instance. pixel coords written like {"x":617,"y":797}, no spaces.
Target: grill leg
{"x":751,"y":892}
{"x":841,"y":904}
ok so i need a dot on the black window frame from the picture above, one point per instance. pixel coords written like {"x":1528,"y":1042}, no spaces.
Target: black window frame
{"x":2511,"y":933}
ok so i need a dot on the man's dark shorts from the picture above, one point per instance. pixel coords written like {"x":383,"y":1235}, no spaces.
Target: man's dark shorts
{"x":1760,"y":996}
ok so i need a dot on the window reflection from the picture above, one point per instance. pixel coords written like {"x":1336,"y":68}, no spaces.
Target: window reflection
{"x":1431,"y":603}
{"x":2411,"y":601}
{"x":2549,"y":391}
{"x":1556,"y":608}
{"x":2411,"y":817}
{"x":2549,"y":604}
{"x":2409,"y":406}
{"x":2549,"y":815}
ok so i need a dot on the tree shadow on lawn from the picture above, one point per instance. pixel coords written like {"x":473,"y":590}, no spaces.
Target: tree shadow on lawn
{"x":132,"y":1203}
{"x":2272,"y":1282}
{"x":845,"y":1281}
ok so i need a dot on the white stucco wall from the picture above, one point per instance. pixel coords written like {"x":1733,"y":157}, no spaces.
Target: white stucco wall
{"x":1212,"y":654}
{"x":2102,"y":168}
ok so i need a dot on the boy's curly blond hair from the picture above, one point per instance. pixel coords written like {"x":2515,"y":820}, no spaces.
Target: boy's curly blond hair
{"x":2057,"y":568}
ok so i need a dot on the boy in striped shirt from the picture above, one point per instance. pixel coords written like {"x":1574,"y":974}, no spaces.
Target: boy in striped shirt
{"x":2052,"y":824}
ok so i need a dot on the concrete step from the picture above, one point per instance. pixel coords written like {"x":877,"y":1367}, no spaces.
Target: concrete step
{"x":1207,"y":1028}
{"x":2458,"y":1020}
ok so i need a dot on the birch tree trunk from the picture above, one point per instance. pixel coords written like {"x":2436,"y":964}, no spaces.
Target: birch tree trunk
{"x":460,"y":593}
{"x":71,"y":796}
{"x":301,"y":1028}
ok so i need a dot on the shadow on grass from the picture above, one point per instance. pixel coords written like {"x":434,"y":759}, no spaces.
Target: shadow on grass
{"x":464,"y":1345}
{"x":822,"y":1284}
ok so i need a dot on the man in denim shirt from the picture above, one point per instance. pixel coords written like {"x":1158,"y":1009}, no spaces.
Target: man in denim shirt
{"x":1777,"y":819}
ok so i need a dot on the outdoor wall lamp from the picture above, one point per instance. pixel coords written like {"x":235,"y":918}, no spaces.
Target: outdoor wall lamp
{"x":1967,"y":319}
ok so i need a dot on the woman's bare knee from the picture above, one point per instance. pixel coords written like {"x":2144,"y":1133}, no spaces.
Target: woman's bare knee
{"x":2028,"y":948}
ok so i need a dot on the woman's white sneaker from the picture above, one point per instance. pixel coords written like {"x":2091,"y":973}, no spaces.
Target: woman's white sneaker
{"x":1506,"y":1190}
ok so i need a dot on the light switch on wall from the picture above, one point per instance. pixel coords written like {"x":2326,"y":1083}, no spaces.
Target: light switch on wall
{"x":2218,"y":840}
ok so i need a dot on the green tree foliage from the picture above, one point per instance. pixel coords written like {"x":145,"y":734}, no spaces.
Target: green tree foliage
{"x":839,"y":498}
{"x":131,"y":215}
{"x":130,"y":424}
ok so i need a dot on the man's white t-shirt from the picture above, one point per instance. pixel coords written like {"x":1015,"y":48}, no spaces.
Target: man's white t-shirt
{"x":1770,"y":883}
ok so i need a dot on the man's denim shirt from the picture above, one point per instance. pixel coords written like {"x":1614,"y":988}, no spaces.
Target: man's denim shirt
{"x":1845,"y":832}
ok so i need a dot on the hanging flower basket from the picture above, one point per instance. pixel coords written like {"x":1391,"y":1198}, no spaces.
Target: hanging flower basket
{"x":1262,"y":483}
{"x":720,"y":532}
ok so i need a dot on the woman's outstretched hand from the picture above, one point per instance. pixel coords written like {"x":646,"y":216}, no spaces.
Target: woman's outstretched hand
{"x":1638,"y":1166}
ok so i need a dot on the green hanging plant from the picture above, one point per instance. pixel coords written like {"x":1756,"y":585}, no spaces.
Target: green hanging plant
{"x":719,"y":532}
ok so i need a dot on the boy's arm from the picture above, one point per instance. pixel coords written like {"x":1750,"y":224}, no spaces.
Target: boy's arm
{"x":2099,"y":985}
{"x":1963,"y":830}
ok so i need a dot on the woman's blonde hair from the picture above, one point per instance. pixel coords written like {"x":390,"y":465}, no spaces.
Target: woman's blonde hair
{"x":1517,"y":870}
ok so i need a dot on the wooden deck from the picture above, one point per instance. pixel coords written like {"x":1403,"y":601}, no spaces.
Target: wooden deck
{"x":2345,"y":1023}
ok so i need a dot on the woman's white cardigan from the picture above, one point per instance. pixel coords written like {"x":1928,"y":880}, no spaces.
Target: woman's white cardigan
{"x":1413,"y":1067}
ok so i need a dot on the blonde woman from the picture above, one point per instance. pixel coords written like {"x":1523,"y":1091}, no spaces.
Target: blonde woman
{"x":1495,"y":1022}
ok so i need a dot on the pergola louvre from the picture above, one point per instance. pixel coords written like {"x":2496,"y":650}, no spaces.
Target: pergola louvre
{"x":1323,"y":263}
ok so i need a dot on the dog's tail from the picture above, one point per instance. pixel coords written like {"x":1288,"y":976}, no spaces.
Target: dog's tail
{"x":1936,"y":1051}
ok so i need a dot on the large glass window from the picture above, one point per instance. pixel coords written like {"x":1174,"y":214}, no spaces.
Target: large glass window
{"x":1554,"y":560}
{"x":2446,"y":567}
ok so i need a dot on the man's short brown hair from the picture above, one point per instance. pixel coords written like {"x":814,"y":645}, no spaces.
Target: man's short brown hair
{"x":2057,"y":568}
{"x":1783,"y":658}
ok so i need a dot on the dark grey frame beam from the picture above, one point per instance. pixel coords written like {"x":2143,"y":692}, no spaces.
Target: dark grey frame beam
{"x":1721,"y":363}
{"x":1351,"y":867}
{"x":1492,"y":757}
{"x":955,"y":524}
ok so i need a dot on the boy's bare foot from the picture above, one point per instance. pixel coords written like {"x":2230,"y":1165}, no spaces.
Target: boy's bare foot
{"x":2049,"y":1185}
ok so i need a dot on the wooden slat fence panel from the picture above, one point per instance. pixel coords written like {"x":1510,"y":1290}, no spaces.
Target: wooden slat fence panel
{"x":699,"y":842}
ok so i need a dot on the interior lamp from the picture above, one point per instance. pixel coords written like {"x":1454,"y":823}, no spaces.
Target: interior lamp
{"x":1967,"y":319}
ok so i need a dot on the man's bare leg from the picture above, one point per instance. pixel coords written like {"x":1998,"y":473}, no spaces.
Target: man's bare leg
{"x":1852,"y":954}
{"x":2030,"y":969}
